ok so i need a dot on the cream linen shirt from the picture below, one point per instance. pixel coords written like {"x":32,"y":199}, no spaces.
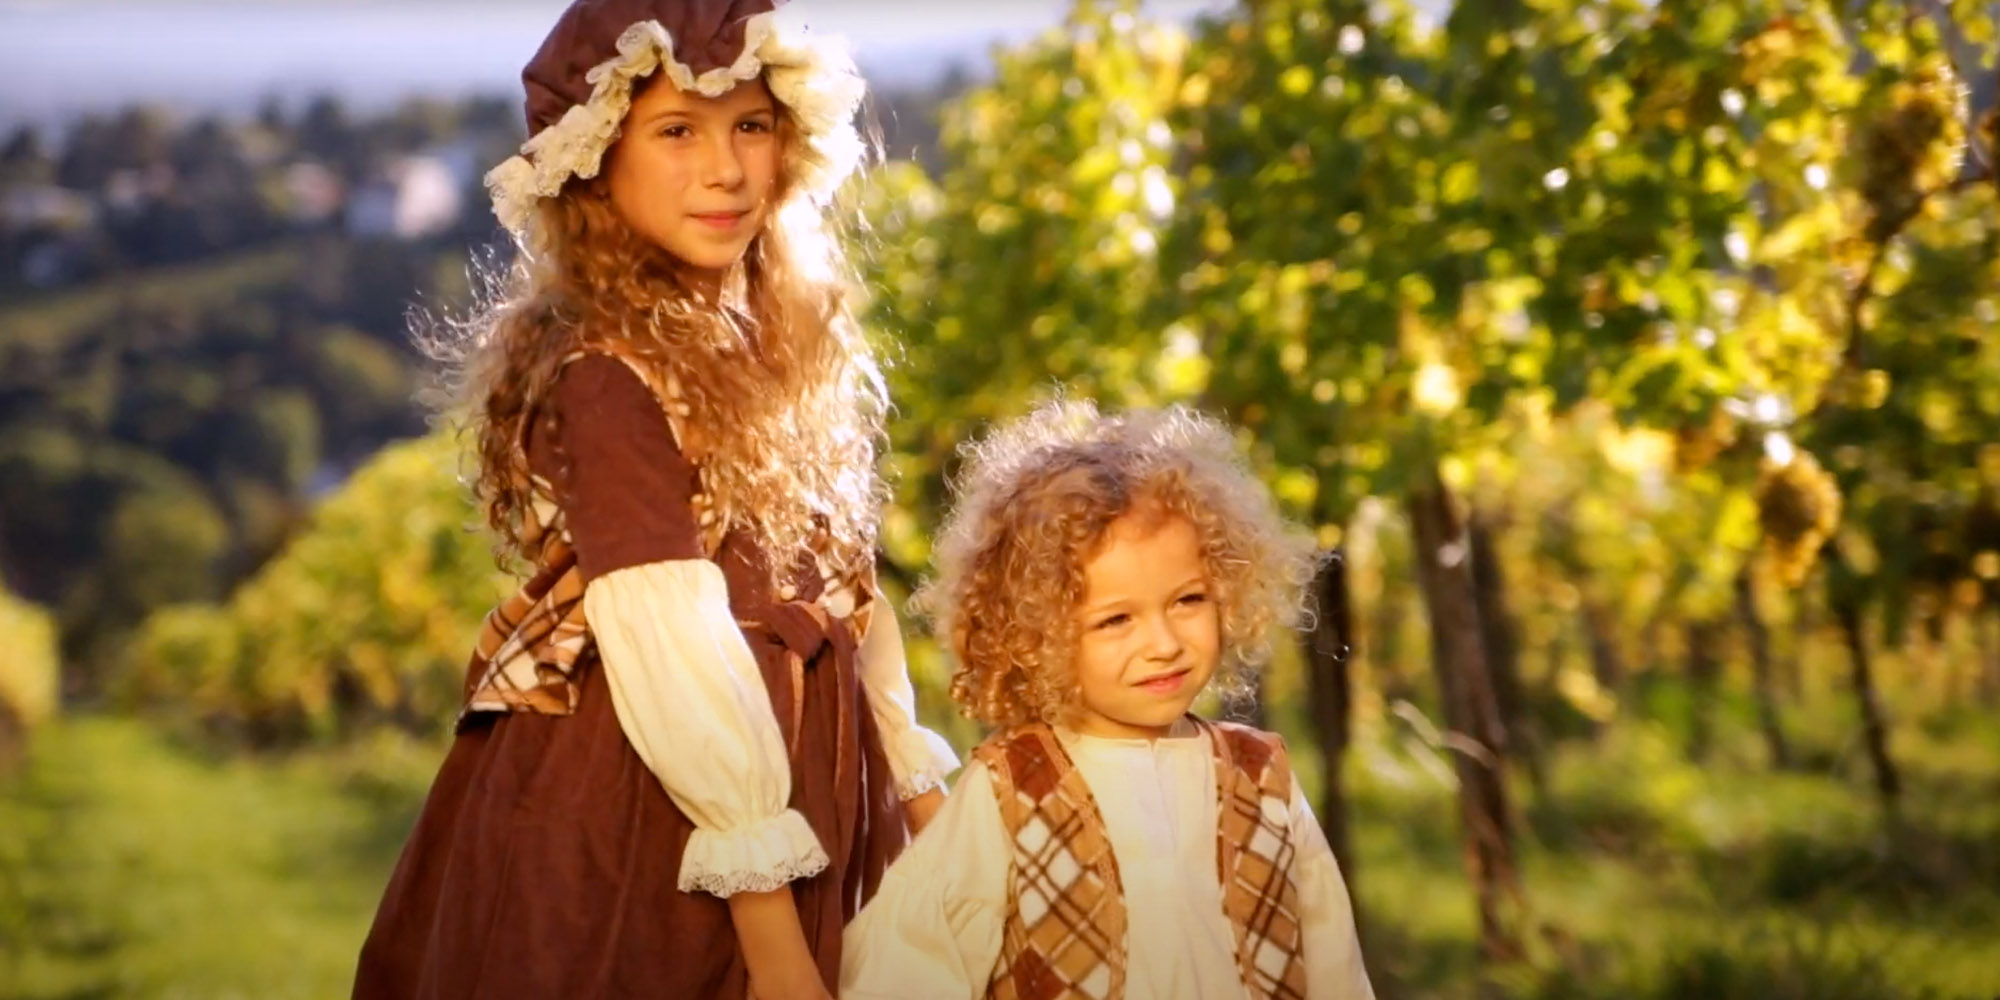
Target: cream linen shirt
{"x":933,"y":931}
{"x":692,"y":702}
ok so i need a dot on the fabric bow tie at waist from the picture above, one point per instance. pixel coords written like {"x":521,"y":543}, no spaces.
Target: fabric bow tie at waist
{"x":804,"y":628}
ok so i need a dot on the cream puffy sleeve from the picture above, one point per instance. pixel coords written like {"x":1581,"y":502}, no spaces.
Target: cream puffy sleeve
{"x":932,"y":932}
{"x":688,"y":693}
{"x":919,"y":758}
{"x":1334,"y":970}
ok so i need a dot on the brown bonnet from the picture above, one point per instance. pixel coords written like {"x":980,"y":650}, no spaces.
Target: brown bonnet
{"x":579,"y":86}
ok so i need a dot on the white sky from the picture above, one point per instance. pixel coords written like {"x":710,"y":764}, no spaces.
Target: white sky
{"x":58,"y":57}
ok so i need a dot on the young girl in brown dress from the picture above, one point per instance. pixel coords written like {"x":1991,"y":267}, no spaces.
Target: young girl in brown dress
{"x":687,"y":752}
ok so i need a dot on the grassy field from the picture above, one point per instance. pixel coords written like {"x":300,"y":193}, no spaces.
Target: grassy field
{"x":132,"y":866}
{"x":1649,"y":878}
{"x":138,"y":866}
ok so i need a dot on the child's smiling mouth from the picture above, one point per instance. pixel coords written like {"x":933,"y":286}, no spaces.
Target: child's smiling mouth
{"x":1166,"y":683}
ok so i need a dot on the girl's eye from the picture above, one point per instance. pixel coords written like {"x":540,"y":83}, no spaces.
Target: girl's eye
{"x":676,"y":131}
{"x":1112,"y":622}
{"x":755,"y":126}
{"x":1198,"y":597}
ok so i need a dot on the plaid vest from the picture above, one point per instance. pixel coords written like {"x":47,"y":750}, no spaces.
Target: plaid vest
{"x":1066,"y":925}
{"x":525,"y":657}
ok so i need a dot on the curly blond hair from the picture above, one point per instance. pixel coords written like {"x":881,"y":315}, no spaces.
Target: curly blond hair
{"x":784,"y":402}
{"x":1034,"y":502}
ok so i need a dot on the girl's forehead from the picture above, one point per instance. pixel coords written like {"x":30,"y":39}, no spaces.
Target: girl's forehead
{"x":661,"y":96}
{"x":1146,"y":515}
{"x":1145,"y":550}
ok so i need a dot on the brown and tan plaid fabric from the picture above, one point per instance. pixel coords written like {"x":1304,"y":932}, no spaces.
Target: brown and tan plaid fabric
{"x":1254,"y":858}
{"x":525,"y":657}
{"x":530,"y":643}
{"x":1065,"y":931}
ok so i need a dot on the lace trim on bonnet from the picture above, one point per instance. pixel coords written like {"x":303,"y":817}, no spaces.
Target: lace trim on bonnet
{"x":814,"y":76}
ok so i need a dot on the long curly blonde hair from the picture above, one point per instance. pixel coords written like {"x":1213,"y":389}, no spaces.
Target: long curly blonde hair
{"x":784,"y":403}
{"x":1034,"y":502}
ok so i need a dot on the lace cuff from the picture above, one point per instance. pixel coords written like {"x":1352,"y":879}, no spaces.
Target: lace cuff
{"x":920,"y":760}
{"x":760,"y":857}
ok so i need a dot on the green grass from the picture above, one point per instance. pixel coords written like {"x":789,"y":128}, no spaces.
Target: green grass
{"x":1647,"y":877}
{"x":133,"y":865}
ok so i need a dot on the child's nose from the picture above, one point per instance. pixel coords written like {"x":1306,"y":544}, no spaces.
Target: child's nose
{"x":725,"y":167}
{"x":1163,"y":639}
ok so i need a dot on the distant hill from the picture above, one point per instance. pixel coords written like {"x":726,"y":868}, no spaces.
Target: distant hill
{"x":203,"y":329}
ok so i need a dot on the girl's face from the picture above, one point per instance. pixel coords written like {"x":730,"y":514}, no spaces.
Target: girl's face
{"x":695,"y":174}
{"x":1151,"y":631}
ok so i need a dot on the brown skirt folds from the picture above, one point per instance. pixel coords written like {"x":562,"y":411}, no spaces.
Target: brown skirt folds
{"x":546,"y":859}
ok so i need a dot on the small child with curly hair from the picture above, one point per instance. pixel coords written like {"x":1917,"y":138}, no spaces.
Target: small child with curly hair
{"x":1097,"y":574}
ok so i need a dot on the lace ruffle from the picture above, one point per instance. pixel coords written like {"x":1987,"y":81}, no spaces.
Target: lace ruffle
{"x":757,"y":858}
{"x":920,"y":760}
{"x":813,"y":76}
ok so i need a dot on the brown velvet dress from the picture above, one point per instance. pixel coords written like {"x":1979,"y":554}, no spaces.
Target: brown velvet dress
{"x":545,"y":862}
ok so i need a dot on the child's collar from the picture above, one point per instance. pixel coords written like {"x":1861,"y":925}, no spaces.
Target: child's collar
{"x":1183,"y":728}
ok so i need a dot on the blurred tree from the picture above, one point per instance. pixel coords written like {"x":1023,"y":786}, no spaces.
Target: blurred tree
{"x":1031,"y":260}
{"x":365,"y":617}
{"x":1891,"y":485}
{"x":416,"y":124}
{"x":273,"y":436}
{"x":363,"y":389}
{"x":160,"y":539}
{"x":1535,"y":202}
{"x":28,"y":675}
{"x":49,"y":510}
{"x":99,"y":147}
{"x":162,"y":543}
{"x":24,"y":158}
{"x":326,"y":133}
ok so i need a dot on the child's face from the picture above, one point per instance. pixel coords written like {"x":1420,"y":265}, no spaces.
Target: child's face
{"x":1151,"y":634}
{"x":694,"y":174}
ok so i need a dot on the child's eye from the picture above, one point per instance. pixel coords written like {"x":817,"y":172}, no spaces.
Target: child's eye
{"x":1198,"y":597}
{"x":676,"y":132}
{"x":1112,"y":622}
{"x":754,"y":125}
